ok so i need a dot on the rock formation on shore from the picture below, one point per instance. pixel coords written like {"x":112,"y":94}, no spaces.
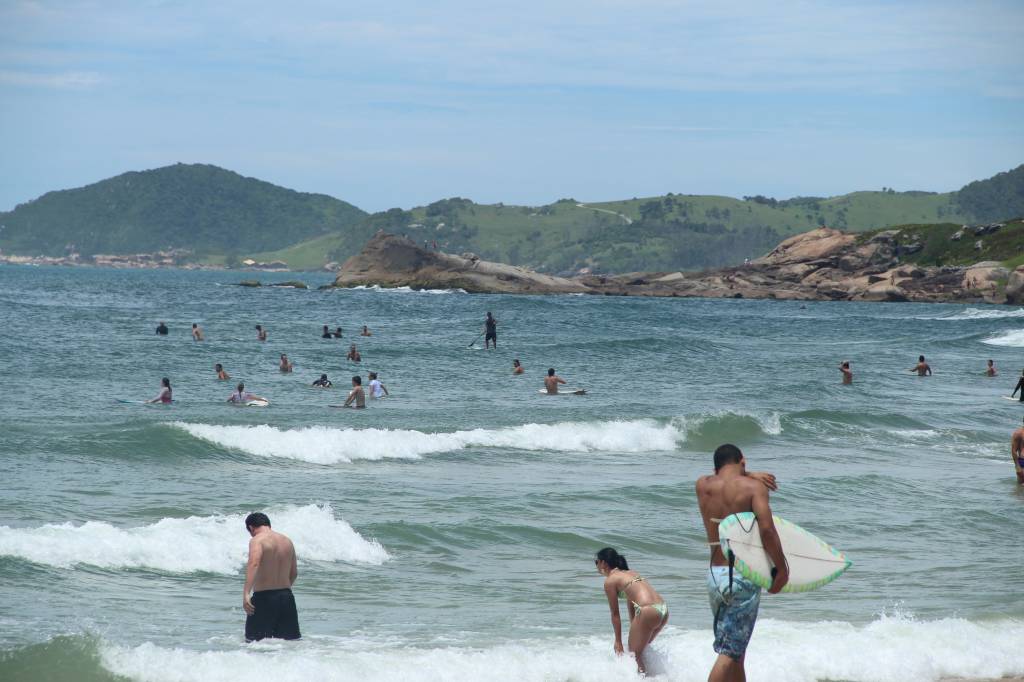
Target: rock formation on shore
{"x":823,"y":264}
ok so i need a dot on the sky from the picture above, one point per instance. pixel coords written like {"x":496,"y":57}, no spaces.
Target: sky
{"x":402,"y":103}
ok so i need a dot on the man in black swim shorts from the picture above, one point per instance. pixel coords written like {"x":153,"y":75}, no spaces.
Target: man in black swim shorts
{"x":271,"y":571}
{"x":490,"y":331}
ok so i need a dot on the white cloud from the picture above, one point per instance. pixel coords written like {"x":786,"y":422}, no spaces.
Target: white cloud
{"x":67,"y":80}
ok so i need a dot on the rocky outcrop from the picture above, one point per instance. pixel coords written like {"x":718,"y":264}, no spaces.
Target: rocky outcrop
{"x":392,"y":261}
{"x":823,"y":264}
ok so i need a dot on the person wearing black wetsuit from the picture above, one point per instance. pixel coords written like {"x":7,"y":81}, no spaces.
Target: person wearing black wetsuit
{"x":1019,"y":387}
{"x":326,"y":334}
{"x":161,"y":329}
{"x":490,"y":331}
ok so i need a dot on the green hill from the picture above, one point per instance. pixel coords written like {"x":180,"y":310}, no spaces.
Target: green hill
{"x":199,"y":207}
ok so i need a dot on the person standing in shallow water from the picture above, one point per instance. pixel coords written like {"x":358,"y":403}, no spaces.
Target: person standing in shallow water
{"x":648,"y":612}
{"x":922,"y":368}
{"x":261,"y":333}
{"x":734,"y":599}
{"x":990,"y":371}
{"x":270,"y":573}
{"x":1017,"y":453}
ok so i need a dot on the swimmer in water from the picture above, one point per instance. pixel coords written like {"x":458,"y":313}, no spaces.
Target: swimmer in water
{"x":516,"y":367}
{"x":326,"y":334}
{"x":197,"y":332}
{"x":221,"y":374}
{"x":844,"y":367}
{"x":165,"y":393}
{"x":648,"y":612}
{"x":337,"y":333}
{"x":990,"y":371}
{"x":356,"y":395}
{"x":377,"y":389}
{"x":323,"y":382}
{"x":161,"y":329}
{"x":922,"y":368}
{"x":365,"y":332}
{"x":353,"y":354}
{"x":285,"y":364}
{"x":241,"y":396}
{"x":261,"y":333}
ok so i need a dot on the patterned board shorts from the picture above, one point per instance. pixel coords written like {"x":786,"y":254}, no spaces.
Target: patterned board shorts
{"x":735,"y":610}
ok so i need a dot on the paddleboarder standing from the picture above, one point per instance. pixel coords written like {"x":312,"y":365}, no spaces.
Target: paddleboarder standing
{"x":490,"y":331}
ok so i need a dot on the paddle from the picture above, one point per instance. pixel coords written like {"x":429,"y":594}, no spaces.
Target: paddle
{"x":475,"y":340}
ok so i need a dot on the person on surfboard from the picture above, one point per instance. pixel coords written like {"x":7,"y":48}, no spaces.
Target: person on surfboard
{"x":1017,"y":453}
{"x":552,"y":380}
{"x":241,"y":396}
{"x":165,"y":393}
{"x":734,"y":599}
{"x":356,"y":397}
{"x":922,"y":368}
{"x":490,"y":331}
{"x":1019,"y":387}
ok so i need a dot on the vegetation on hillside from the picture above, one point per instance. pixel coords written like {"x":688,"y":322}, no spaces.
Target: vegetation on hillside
{"x":952,"y":244}
{"x":202,"y":208}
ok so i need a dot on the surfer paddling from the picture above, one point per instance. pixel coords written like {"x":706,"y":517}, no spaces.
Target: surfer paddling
{"x":734,"y":599}
{"x":922,"y":368}
{"x":269,"y":575}
{"x":1017,"y":453}
{"x":648,"y":612}
{"x":844,"y":367}
{"x":164,"y":396}
{"x":241,"y":396}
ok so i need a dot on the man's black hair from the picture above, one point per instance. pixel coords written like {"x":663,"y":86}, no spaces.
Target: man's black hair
{"x":257,"y":519}
{"x":727,"y":454}
{"x":357,"y":380}
{"x":551,"y":371}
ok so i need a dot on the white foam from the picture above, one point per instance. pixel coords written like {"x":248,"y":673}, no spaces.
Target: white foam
{"x":1013,"y":338}
{"x":215,"y":544}
{"x":769,"y":423}
{"x":328,"y":445}
{"x":407,"y":290}
{"x":979,"y":314}
{"x":887,"y":650}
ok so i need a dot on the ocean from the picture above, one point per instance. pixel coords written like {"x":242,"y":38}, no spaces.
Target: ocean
{"x":448,"y":531}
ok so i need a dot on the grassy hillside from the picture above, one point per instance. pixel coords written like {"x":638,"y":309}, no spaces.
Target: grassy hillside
{"x":939,"y":248}
{"x":199,"y":207}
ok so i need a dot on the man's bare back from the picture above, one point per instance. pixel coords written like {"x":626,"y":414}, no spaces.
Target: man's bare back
{"x":551,"y":383}
{"x":719,"y":497}
{"x":269,"y":574}
{"x":275,"y":557}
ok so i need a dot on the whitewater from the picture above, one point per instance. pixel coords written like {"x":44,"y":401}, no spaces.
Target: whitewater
{"x":447,"y":532}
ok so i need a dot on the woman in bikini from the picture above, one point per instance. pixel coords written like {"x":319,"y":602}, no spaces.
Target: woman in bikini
{"x":648,"y":612}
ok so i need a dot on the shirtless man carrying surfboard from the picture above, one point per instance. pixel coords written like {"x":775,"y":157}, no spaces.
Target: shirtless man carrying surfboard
{"x":734,"y":599}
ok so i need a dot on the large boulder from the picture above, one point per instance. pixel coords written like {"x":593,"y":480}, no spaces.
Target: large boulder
{"x":1015,"y":286}
{"x":823,"y":242}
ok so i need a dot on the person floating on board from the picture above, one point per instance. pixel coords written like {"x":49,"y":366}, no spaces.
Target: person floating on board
{"x":323,"y":382}
{"x":285,"y":365}
{"x":516,"y":367}
{"x":327,"y":333}
{"x":734,"y":599}
{"x":1017,"y":453}
{"x":1019,"y":387}
{"x":197,"y":332}
{"x":377,"y":389}
{"x":365,"y":332}
{"x":221,"y":374}
{"x":241,"y":396}
{"x":353,"y":354}
{"x":161,"y":329}
{"x":844,"y":367}
{"x":337,"y":333}
{"x":356,"y":395}
{"x":490,"y":331}
{"x":648,"y":612}
{"x":261,"y":333}
{"x":990,"y":371}
{"x":165,"y":393}
{"x":552,"y":380}
{"x":270,"y":573}
{"x":922,"y":368}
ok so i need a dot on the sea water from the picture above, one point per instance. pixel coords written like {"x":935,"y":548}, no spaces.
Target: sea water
{"x":447,"y":532}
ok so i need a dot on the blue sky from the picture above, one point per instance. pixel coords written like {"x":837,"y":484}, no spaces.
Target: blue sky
{"x":402,"y":103}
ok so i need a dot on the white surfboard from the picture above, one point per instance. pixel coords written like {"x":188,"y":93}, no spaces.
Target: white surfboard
{"x":812,"y":561}
{"x":1007,"y":397}
{"x":563,"y":391}
{"x":257,"y":403}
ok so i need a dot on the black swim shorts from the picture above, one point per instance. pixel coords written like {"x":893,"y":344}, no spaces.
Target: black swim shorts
{"x":275,"y":616}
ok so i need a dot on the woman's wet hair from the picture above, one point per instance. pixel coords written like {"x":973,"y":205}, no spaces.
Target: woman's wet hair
{"x":612,"y":558}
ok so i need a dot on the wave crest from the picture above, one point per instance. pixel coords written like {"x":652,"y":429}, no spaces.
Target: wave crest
{"x":214,"y":544}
